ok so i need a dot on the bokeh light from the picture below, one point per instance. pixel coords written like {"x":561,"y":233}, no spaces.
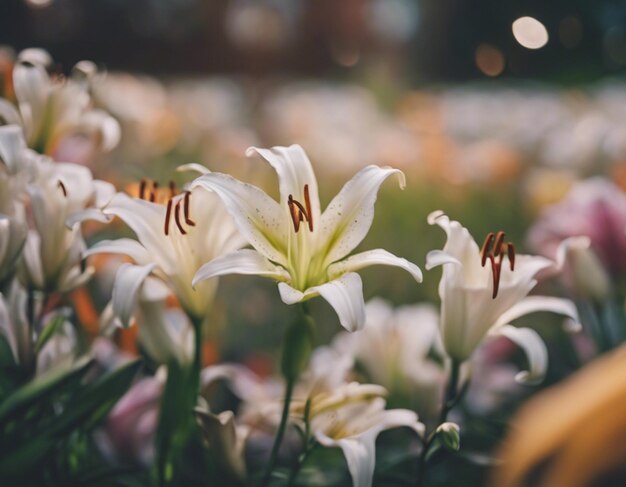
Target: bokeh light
{"x":530,"y":33}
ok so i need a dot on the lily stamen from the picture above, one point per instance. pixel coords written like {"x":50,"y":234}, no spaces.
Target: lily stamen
{"x":495,"y":255}
{"x":153,"y":191}
{"x":300,"y":212}
{"x":177,"y":219}
{"x":188,"y":220}
{"x":142,"y":189}
{"x":62,"y":186}
{"x":168,"y":214}
{"x":172,"y":185}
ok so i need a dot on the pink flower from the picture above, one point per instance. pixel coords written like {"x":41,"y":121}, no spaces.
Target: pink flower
{"x":595,"y":208}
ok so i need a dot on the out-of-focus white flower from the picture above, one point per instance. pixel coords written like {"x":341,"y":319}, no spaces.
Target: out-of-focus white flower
{"x":12,"y":238}
{"x":60,"y":349}
{"x":51,"y":260}
{"x":351,"y":417}
{"x":14,"y":325}
{"x":164,"y":333}
{"x":298,"y":245}
{"x":482,"y":291}
{"x":52,"y":110}
{"x":225,"y":438}
{"x":587,"y":275}
{"x":393,"y":350}
{"x":175,"y":240}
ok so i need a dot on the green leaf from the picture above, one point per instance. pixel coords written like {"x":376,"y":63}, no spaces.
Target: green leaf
{"x":48,"y":332}
{"x":42,"y":387}
{"x":84,"y":410}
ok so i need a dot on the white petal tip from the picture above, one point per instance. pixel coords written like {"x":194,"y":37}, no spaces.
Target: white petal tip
{"x":434,"y":216}
{"x":526,"y":379}
{"x":572,"y":326}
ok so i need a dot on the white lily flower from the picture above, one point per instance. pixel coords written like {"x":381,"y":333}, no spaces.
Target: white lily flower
{"x":52,"y":256}
{"x":16,"y":168}
{"x":14,"y":325}
{"x":351,"y":418}
{"x":294,"y":242}
{"x":12,"y":237}
{"x":482,"y":291}
{"x":53,"y":110}
{"x":176,"y":238}
{"x":393,"y":351}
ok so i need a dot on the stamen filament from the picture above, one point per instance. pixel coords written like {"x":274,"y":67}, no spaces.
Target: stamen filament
{"x":307,"y":202}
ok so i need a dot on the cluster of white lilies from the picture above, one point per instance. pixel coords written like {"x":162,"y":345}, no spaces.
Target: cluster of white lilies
{"x":217,"y":225}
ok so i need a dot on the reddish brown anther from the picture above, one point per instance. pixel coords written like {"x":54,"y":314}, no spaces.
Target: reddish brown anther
{"x":496,"y":255}
{"x":168,"y":215}
{"x":300,"y":212}
{"x":188,"y":219}
{"x":62,"y":186}
{"x":153,"y":191}
{"x":177,"y":218}
{"x":142,"y":189}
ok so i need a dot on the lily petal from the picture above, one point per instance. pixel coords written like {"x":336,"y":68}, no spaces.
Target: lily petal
{"x":259,"y":218}
{"x":12,"y":146}
{"x":128,"y":282}
{"x":125,"y":246}
{"x":246,"y":261}
{"x":9,"y":114}
{"x":436,"y":258}
{"x":294,"y":171}
{"x":146,"y":220}
{"x":193,"y":166}
{"x":535,"y":349}
{"x":533,"y":304}
{"x":32,"y":88}
{"x":349,"y":216}
{"x":372,"y":257}
{"x":345,"y":295}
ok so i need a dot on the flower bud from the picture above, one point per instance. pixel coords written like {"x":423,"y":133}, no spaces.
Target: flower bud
{"x":589,"y":276}
{"x":448,"y":435}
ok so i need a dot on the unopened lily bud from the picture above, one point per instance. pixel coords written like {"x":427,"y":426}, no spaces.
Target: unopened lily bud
{"x":448,"y":434}
{"x":589,"y":276}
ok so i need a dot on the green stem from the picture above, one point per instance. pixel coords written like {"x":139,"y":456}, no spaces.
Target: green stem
{"x":298,"y":466}
{"x":280,"y":433}
{"x":297,"y":345}
{"x":449,"y":401}
{"x":450,"y":397}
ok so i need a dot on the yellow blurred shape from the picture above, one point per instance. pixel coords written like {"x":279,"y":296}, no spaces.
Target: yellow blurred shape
{"x":575,"y":431}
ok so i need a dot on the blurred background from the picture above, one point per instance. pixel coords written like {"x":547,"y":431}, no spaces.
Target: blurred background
{"x":493,"y":109}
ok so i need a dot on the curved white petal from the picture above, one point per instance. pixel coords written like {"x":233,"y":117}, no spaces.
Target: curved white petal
{"x":87,"y":214}
{"x":345,"y":295}
{"x":9,"y":114}
{"x":535,"y":350}
{"x":290,"y":295}
{"x":125,"y":246}
{"x":193,"y":166}
{"x":436,"y":258}
{"x":361,"y":458}
{"x":12,"y":146}
{"x":147,"y":221}
{"x":128,"y":281}
{"x":294,"y":171}
{"x":533,"y":304}
{"x":244,"y":261}
{"x":349,"y":216}
{"x":32,"y":87}
{"x":259,"y":218}
{"x":374,"y":257}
